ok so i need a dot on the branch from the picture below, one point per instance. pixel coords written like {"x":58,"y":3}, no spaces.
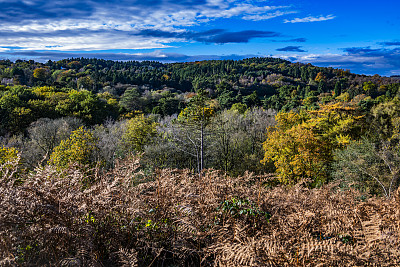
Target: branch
{"x":394,"y":173}
{"x":376,"y":179}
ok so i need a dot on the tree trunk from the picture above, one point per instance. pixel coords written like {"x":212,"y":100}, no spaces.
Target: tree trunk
{"x":202,"y":144}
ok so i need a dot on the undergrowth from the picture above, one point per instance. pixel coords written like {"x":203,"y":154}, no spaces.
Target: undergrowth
{"x":128,"y":217}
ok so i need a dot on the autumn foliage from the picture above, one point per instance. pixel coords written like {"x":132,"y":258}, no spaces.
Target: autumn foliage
{"x":79,"y":148}
{"x":301,"y":144}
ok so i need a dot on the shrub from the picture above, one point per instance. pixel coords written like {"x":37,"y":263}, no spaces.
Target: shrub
{"x":79,"y":148}
{"x":9,"y":160}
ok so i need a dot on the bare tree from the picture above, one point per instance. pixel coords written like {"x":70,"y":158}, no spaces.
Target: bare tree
{"x":45,"y":134}
{"x":371,"y":167}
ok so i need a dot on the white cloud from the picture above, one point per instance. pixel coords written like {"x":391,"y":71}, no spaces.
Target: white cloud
{"x":310,"y":19}
{"x":357,"y":63}
{"x":268,"y":15}
{"x":86,"y":42}
{"x":329,"y":58}
{"x":106,"y":25}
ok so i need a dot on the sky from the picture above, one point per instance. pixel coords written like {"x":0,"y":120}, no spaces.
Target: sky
{"x":362,"y":36}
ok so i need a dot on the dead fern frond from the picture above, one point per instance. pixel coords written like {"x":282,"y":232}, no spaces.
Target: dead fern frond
{"x":126,"y":217}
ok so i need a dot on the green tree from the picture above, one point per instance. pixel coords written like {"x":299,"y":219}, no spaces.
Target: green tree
{"x":197,"y":116}
{"x":131,"y":100}
{"x":85,"y":82}
{"x":239,"y":107}
{"x":370,"y":88}
{"x":15,"y":112}
{"x":338,"y":89}
{"x":251,"y":100}
{"x":84,"y":105}
{"x":385,"y":123}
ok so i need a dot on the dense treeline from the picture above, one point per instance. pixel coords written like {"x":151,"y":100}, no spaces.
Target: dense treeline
{"x":160,"y":88}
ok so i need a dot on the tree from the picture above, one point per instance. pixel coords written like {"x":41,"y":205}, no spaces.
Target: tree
{"x":15,"y":112}
{"x":40,"y":74}
{"x":80,"y":147}
{"x":301,"y":145}
{"x":336,"y":122}
{"x":168,"y":104}
{"x":385,"y":124}
{"x":139,"y":132}
{"x":236,"y":140}
{"x":197,"y":116}
{"x":374,"y":168}
{"x":85,"y":82}
{"x":46,"y":133}
{"x":171,"y":147}
{"x":239,"y":107}
{"x":338,"y":89}
{"x":227,"y":140}
{"x":320,"y":77}
{"x":370,"y":88}
{"x":251,"y":100}
{"x":295,"y":150}
{"x":84,"y":105}
{"x":130,"y":100}
{"x":9,"y":158}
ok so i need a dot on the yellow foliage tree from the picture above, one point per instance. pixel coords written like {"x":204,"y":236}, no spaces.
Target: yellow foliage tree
{"x":297,"y":153}
{"x":301,"y":144}
{"x":9,"y":157}
{"x":139,"y":132}
{"x":320,"y":77}
{"x":40,"y":73}
{"x":196,"y":115}
{"x":80,"y":148}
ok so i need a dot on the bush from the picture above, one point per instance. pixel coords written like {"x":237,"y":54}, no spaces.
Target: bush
{"x":372,"y":168}
{"x":139,"y":132}
{"x":9,"y":160}
{"x":80,"y":147}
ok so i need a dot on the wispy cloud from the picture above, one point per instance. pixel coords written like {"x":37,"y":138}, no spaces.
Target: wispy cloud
{"x":291,"y":49}
{"x":268,"y":15}
{"x":310,"y":19}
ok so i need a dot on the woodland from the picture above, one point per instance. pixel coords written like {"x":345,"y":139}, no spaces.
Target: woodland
{"x":254,"y":162}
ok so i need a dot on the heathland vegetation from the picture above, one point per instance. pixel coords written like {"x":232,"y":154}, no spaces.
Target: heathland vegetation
{"x":256,"y":162}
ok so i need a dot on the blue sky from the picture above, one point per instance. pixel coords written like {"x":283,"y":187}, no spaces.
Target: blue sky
{"x":363,"y":36}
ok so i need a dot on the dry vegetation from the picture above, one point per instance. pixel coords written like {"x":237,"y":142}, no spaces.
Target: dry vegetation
{"x":173,"y":218}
